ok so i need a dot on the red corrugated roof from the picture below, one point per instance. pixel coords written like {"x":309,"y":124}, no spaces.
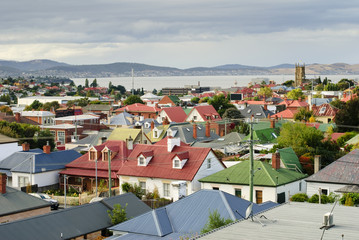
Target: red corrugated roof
{"x":287,"y":114}
{"x":138,"y":107}
{"x":207,"y":109}
{"x":324,"y":110}
{"x":161,"y":165}
{"x":175,"y":114}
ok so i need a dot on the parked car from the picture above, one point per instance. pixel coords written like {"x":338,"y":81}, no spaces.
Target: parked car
{"x":44,"y":196}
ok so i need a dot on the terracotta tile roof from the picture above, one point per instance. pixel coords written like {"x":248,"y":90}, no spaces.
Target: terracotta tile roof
{"x":161,"y":165}
{"x":286,"y":114}
{"x":207,"y":110}
{"x":138,"y":107}
{"x":294,"y":103}
{"x":175,"y":114}
{"x":325,"y":110}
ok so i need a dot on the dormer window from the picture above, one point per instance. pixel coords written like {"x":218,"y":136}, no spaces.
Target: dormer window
{"x":180,"y":160}
{"x":93,"y":155}
{"x":155,"y":134}
{"x":141,"y":161}
{"x":176,"y":163}
{"x":144,"y":158}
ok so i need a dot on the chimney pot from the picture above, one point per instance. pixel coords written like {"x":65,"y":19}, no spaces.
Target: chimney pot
{"x":47,"y":149}
{"x":276,"y":160}
{"x":317,"y":163}
{"x":17,"y":117}
{"x":3,"y":178}
{"x":272,"y":123}
{"x":25,"y":147}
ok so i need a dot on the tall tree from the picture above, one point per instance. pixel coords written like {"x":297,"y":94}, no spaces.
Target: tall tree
{"x":86,"y":83}
{"x":133,"y":99}
{"x":295,"y":94}
{"x":94,"y":83}
{"x":303,"y":114}
{"x":220,"y":103}
{"x":347,"y":118}
{"x":265,"y":92}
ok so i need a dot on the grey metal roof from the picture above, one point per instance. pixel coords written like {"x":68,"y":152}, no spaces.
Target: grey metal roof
{"x":294,"y":221}
{"x":93,"y":139}
{"x":121,"y":119}
{"x":187,"y":215}
{"x":71,"y":222}
{"x":256,"y":110}
{"x":343,"y":171}
{"x":14,"y":201}
{"x":185,"y":133}
{"x":230,"y":138}
{"x":6,"y":139}
{"x":22,"y":161}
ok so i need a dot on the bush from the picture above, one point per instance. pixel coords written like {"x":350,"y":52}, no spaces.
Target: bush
{"x":344,"y":200}
{"x":215,"y":221}
{"x":314,"y":199}
{"x":299,"y":197}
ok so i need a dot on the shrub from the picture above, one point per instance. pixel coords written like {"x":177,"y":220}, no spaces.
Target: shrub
{"x":299,"y":197}
{"x":354,"y":198}
{"x":314,"y":199}
{"x":215,"y":221}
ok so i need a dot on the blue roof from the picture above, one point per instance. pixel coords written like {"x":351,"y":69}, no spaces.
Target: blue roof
{"x":187,"y":216}
{"x":22,"y":161}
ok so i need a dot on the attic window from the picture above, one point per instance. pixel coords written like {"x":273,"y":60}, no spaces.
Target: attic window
{"x":155,"y":134}
{"x":176,"y":163}
{"x":141,"y":161}
{"x":322,"y":110}
{"x":274,"y":135}
{"x":187,"y":129}
{"x":93,"y":155}
{"x":105,"y":156}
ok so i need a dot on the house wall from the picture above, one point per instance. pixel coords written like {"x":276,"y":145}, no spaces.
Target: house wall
{"x":216,"y":166}
{"x":326,"y":119}
{"x":7,"y":149}
{"x":41,"y":179}
{"x":193,"y":114}
{"x":313,"y":187}
{"x":161,"y":115}
{"x":269,"y":193}
{"x":25,"y":214}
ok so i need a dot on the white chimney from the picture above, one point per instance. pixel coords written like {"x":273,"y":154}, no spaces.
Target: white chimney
{"x":172,"y":142}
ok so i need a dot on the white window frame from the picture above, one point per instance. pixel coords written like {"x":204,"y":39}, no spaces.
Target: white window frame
{"x":176,"y":163}
{"x":166,"y":189}
{"x":23,"y":181}
{"x":209,"y":163}
{"x":141,"y":161}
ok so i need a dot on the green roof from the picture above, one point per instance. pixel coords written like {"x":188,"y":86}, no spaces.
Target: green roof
{"x":266,"y":124}
{"x":290,"y":159}
{"x":324,"y":126}
{"x":124,"y":133}
{"x":267,"y":176}
{"x":267,"y":135}
{"x":174,"y":99}
{"x":187,"y":110}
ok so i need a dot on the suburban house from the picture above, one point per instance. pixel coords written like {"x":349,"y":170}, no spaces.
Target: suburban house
{"x":17,"y":118}
{"x":340,"y":173}
{"x":65,"y":133}
{"x":185,"y":218}
{"x":256,"y":111}
{"x":191,"y":133}
{"x":202,"y":114}
{"x":169,"y":101}
{"x":8,"y":146}
{"x":88,"y":221}
{"x":139,"y":109}
{"x":173,"y":114}
{"x":325,"y":113}
{"x":170,"y":166}
{"x":17,"y":205}
{"x":123,"y":119}
{"x":270,"y":182}
{"x":44,"y":118}
{"x":126,"y":133}
{"x":157,"y":133}
{"x":102,"y":109}
{"x":287,"y":114}
{"x":36,"y":166}
{"x":81,"y":173}
{"x":87,"y":121}
{"x":90,"y":140}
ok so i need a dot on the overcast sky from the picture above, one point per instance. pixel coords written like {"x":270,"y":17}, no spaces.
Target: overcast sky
{"x":181,"y":33}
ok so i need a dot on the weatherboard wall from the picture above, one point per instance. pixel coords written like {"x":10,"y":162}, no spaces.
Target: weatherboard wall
{"x":313,"y":187}
{"x":41,"y":179}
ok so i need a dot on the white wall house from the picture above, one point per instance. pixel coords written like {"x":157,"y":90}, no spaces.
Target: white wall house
{"x":172,"y":169}
{"x":7,"y":147}
{"x":20,"y":179}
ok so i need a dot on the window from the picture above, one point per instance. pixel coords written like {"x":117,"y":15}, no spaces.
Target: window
{"x":92,"y":155}
{"x":300,"y":186}
{"x":141,"y":161}
{"x":176,"y":163}
{"x":208,"y":117}
{"x":23,"y":181}
{"x":215,"y":188}
{"x":209,"y":163}
{"x":238,"y":192}
{"x":105,"y":156}
{"x":325,"y":192}
{"x":155,"y":134}
{"x":194,"y":117}
{"x":53,"y":132}
{"x":61,"y":137}
{"x":166,"y":190}
{"x":143,"y":186}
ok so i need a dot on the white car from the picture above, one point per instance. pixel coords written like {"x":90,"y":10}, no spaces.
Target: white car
{"x":44,"y":196}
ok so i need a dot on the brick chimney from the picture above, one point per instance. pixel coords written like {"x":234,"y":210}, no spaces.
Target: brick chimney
{"x":194,"y":130}
{"x":152,"y":125}
{"x":272,"y":123}
{"x":25,"y":147}
{"x":276,"y":160}
{"x":172,"y":142}
{"x":47,"y":148}
{"x":208,"y":129}
{"x":3,"y":183}
{"x":17,"y":117}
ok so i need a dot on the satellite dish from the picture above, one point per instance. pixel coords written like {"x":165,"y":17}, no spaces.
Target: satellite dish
{"x":249,"y":211}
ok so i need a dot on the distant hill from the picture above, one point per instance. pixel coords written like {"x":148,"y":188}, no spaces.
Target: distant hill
{"x":45,"y":67}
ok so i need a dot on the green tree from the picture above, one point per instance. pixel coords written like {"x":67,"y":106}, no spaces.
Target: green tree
{"x":51,"y":105}
{"x":265,"y":92}
{"x":6,"y":109}
{"x":86,"y":83}
{"x":347,"y":118}
{"x":215,"y":221}
{"x":94,"y":83}
{"x":133,"y":99}
{"x":232,"y":113}
{"x":288,"y":83}
{"x":220,"y":103}
{"x":295,"y":94}
{"x":195,"y":100}
{"x":154,"y":91}
{"x":135,"y":189}
{"x":118,"y":214}
{"x":303,"y":114}
{"x":36,"y":105}
{"x":5,"y":98}
{"x":83,"y":102}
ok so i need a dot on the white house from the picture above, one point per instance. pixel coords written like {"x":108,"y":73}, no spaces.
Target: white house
{"x":170,"y":166}
{"x":270,"y":183}
{"x":8,"y":146}
{"x":203,"y":113}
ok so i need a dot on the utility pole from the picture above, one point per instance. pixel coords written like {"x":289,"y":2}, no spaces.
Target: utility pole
{"x":65,"y":190}
{"x":251,"y":165}
{"x":96,"y":175}
{"x":109,"y":172}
